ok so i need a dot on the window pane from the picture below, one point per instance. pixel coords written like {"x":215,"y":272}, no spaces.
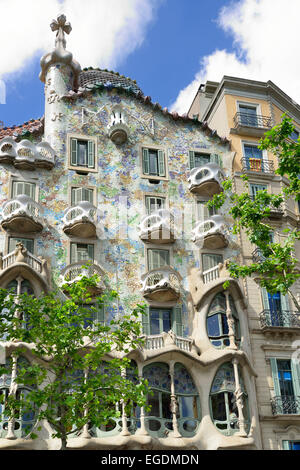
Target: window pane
{"x":213,"y":328}
{"x":189,"y":407}
{"x":153,"y":401}
{"x":201,"y":159}
{"x":27,"y":242}
{"x":166,"y":412}
{"x":210,"y":261}
{"x":218,"y":407}
{"x":154,"y":322}
{"x":82,"y":153}
{"x":153,"y":162}
{"x":166,"y":319}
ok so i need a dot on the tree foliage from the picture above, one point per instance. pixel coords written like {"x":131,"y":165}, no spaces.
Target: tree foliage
{"x":275,"y":266}
{"x":77,"y":372}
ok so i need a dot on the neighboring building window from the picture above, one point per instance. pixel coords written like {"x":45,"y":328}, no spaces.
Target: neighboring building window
{"x":210,"y":261}
{"x":22,"y":187}
{"x":159,"y":420}
{"x":27,"y":242}
{"x":254,"y":158}
{"x":276,"y":308}
{"x":294,"y":135}
{"x":248,"y":115}
{"x":154,"y":203}
{"x":286,"y":379}
{"x":217,"y":323}
{"x":83,"y":153}
{"x":158,"y":258}
{"x":254,"y":188}
{"x":159,"y":320}
{"x":198,"y":159}
{"x":154,"y":162}
{"x":81,"y":194}
{"x":81,"y":252}
{"x":223,"y":401}
{"x":291,"y":445}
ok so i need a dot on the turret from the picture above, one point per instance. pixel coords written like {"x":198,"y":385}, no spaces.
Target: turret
{"x":60,"y":74}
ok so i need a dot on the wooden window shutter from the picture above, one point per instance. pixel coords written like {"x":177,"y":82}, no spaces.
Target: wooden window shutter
{"x":273,"y":362}
{"x":146,"y":322}
{"x":74,"y":157}
{"x":91,"y":154}
{"x":285,"y":445}
{"x":90,"y":250}
{"x":148,"y":204}
{"x":73,"y":253}
{"x":146,"y":163}
{"x":295,"y":366}
{"x":265,"y":299}
{"x":192,"y":159}
{"x":177,"y":321}
{"x":215,"y":158}
{"x":161,"y":163}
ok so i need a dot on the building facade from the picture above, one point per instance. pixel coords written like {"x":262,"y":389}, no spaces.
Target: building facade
{"x":243,"y":110}
{"x":109,"y":177}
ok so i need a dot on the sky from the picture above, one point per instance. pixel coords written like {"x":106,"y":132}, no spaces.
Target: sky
{"x":169,"y":47}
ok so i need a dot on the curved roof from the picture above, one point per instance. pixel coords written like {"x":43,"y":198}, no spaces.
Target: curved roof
{"x":105,"y":77}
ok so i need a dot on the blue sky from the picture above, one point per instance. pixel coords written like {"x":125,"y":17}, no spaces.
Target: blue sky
{"x":168,"y":46}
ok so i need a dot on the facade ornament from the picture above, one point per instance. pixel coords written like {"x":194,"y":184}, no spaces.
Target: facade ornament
{"x":57,"y":116}
{"x":20,"y":253}
{"x":230,"y":322}
{"x":62,"y":26}
{"x":238,"y":393}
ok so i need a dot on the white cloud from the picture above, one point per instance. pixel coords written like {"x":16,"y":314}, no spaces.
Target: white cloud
{"x":104,"y":31}
{"x":266,"y":42}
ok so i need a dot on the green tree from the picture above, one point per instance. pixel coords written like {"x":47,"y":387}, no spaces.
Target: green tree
{"x":77,"y":372}
{"x":276,"y":265}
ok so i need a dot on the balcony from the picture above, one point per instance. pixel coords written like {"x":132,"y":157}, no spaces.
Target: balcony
{"x":157,"y":228}
{"x":206,"y":180}
{"x":274,"y":211}
{"x":21,"y":260}
{"x":257,"y":165}
{"x":118,"y":131}
{"x":22,"y":215}
{"x":211,"y":233}
{"x":76,"y":271}
{"x":251,"y":124}
{"x":156,"y":342}
{"x":285,"y":405}
{"x":79,"y":221}
{"x":26,"y":155}
{"x":279,"y":319}
{"x":162,"y":284}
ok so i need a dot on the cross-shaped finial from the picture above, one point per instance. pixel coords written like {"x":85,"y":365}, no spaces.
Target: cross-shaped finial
{"x":61,"y":26}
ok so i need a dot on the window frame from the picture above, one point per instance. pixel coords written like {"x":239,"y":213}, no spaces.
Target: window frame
{"x":87,"y":139}
{"x":80,"y":243}
{"x":157,"y":148}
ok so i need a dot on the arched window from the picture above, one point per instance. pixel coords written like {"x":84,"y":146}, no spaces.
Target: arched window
{"x":159,"y":420}
{"x":21,"y":286}
{"x":217,"y":322}
{"x":224,"y":410}
{"x":24,"y":421}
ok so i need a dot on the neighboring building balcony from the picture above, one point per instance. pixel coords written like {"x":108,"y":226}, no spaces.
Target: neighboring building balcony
{"x":26,"y":155}
{"x":79,"y":220}
{"x":279,"y":319}
{"x":251,"y":124}
{"x":211,"y":233}
{"x":206,"y":180}
{"x":22,"y":214}
{"x":157,"y":228}
{"x":257,"y":165}
{"x":285,"y":405}
{"x":76,"y":271}
{"x":161,"y":284}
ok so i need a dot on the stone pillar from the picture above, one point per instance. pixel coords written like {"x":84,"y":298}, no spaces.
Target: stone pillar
{"x":174,"y":403}
{"x":239,"y":400}
{"x":12,"y":393}
{"x":142,"y":431}
{"x":230,"y":322}
{"x":85,"y":432}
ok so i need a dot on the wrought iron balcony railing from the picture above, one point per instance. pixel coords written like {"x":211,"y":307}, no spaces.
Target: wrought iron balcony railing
{"x":274,"y":210}
{"x":252,"y":120}
{"x":285,"y":405}
{"x":257,"y":256}
{"x":257,"y":165}
{"x":279,"y":318}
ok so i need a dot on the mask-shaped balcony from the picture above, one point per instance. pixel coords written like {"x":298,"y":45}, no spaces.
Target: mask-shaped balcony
{"x":161,"y":284}
{"x":118,"y":130}
{"x":22,"y":214}
{"x":79,"y":220}
{"x":26,"y":155}
{"x":211,"y":233}
{"x":206,"y":180}
{"x":76,"y":271}
{"x":157,"y":228}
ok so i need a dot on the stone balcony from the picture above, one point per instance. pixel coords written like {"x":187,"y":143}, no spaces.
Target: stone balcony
{"x":157,"y":228}
{"x":26,"y":155}
{"x":211,"y":233}
{"x":168,"y":340}
{"x":22,"y":214}
{"x":80,"y":220}
{"x":21,"y":261}
{"x":162,"y":284}
{"x":206,"y":180}
{"x":76,"y":271}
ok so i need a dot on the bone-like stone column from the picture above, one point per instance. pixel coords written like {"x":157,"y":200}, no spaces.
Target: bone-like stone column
{"x":174,"y":403}
{"x":239,"y":399}
{"x":142,"y":431}
{"x":230,"y":322}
